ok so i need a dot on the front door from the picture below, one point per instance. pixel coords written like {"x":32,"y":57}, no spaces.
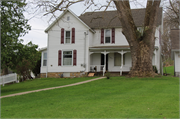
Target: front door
{"x":102,"y":61}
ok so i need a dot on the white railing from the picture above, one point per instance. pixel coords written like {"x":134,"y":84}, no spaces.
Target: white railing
{"x":8,"y":78}
{"x":124,"y":68}
{"x":98,"y":68}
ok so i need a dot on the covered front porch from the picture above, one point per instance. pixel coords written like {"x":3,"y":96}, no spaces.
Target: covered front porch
{"x":111,"y":59}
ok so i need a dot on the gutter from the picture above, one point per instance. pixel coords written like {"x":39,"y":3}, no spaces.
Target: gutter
{"x":85,"y":34}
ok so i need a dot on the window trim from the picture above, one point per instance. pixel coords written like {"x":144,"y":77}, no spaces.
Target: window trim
{"x":43,"y":59}
{"x":65,"y":37}
{"x":62,"y":58}
{"x":105,"y":36}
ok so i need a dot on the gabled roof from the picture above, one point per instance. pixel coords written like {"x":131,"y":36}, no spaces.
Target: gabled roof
{"x":43,"y":49}
{"x":175,"y":39}
{"x":68,"y":10}
{"x":109,"y":19}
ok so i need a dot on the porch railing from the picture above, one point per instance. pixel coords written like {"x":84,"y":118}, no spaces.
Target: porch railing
{"x":8,"y":78}
{"x":124,"y":68}
{"x":98,"y":68}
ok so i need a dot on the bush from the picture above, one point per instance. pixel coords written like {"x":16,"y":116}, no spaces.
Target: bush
{"x":108,"y":74}
{"x":155,"y":69}
{"x":22,"y":69}
{"x":168,"y":62}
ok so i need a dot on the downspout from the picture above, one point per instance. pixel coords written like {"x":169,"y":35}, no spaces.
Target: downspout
{"x":47,"y":57}
{"x":85,"y":34}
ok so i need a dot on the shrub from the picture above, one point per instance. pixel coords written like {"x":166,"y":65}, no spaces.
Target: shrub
{"x":168,"y":62}
{"x":155,"y":69}
{"x":108,"y":74}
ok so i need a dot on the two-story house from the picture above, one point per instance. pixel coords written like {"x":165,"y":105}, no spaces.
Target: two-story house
{"x":91,"y":42}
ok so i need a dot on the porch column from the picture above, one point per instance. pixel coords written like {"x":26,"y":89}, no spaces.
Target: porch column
{"x":122,"y":59}
{"x":122,"y":53}
{"x":104,"y":69}
{"x":155,"y":57}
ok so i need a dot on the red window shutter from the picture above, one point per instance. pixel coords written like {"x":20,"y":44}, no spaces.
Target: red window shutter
{"x":73,"y":35}
{"x":102,"y":36}
{"x":62,"y":36}
{"x":74,"y":57}
{"x":59,"y":58}
{"x":113,"y":35}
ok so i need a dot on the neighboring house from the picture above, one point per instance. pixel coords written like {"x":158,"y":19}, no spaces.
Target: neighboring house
{"x":91,"y":42}
{"x":175,"y":48}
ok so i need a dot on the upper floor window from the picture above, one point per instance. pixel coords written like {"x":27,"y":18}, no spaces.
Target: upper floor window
{"x":67,"y":57}
{"x":68,"y":37}
{"x":45,"y":59}
{"x":107,"y":36}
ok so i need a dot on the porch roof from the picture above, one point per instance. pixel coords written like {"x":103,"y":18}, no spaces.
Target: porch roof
{"x":121,"y":47}
{"x":109,"y":47}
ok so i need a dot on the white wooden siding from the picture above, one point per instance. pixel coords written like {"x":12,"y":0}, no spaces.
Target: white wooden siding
{"x":119,"y":38}
{"x":113,"y":68}
{"x":177,"y":62}
{"x":43,"y":69}
{"x":55,"y":44}
{"x":96,"y":59}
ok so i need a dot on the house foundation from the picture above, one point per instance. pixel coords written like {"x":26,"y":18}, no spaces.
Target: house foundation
{"x":177,"y":74}
{"x":65,"y":74}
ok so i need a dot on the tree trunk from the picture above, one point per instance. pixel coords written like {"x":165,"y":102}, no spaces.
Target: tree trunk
{"x":5,"y":71}
{"x":141,"y":60}
{"x":141,"y":45}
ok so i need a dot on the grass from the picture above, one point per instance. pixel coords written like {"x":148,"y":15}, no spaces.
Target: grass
{"x":118,"y":97}
{"x":39,"y":84}
{"x":169,"y":70}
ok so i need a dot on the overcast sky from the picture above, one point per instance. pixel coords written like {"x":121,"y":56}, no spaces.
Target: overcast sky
{"x":39,"y":24}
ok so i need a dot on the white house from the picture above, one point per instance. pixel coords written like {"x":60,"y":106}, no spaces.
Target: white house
{"x":91,"y":42}
{"x":175,"y":48}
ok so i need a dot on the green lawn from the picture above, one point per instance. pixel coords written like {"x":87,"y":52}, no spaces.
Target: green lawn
{"x":39,"y":84}
{"x":169,"y":70}
{"x":118,"y":97}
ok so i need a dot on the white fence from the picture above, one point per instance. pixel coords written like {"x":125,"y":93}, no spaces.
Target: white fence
{"x":8,"y":78}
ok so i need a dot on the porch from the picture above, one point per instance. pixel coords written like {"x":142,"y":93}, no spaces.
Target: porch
{"x":114,"y":60}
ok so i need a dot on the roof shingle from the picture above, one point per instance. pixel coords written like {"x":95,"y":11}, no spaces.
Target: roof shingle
{"x":109,"y":19}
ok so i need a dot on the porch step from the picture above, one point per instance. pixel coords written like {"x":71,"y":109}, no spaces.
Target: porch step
{"x":91,"y":74}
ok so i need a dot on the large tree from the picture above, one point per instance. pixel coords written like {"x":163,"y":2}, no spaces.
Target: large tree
{"x":141,"y":44}
{"x":13,"y":25}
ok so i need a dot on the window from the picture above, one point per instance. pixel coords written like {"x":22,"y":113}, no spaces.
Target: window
{"x":68,"y":18}
{"x":68,"y":37}
{"x":45,"y":59}
{"x":117,"y":59}
{"x":107,"y":36}
{"x":67,"y":57}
